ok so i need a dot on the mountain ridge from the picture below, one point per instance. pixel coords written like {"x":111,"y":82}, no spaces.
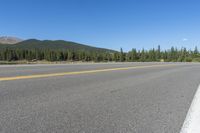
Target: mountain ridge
{"x":9,"y":40}
{"x":54,"y":45}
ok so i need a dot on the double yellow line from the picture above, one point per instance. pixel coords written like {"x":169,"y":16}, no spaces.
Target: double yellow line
{"x":78,"y":72}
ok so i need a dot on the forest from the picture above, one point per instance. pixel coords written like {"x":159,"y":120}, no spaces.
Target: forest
{"x":152,"y":55}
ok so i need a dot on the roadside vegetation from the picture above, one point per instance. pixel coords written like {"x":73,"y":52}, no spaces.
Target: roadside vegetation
{"x":153,"y":55}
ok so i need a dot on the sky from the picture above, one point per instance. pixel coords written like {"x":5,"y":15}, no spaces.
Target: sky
{"x":105,"y":23}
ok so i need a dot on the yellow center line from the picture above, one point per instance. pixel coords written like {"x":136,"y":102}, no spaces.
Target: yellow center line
{"x":78,"y":72}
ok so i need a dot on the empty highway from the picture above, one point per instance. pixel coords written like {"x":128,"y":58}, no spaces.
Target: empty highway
{"x":96,"y":98}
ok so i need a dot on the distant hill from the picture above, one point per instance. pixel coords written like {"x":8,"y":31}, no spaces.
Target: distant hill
{"x":9,"y":40}
{"x":53,"y":45}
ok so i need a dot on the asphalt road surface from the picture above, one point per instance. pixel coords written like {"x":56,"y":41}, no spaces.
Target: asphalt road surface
{"x":96,"y":98}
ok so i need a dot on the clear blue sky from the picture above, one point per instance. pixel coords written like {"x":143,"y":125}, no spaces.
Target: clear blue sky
{"x":105,"y":23}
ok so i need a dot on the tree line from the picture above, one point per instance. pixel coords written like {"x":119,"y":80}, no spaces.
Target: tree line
{"x":152,"y":55}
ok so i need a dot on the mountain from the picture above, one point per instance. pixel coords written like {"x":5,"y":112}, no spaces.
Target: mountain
{"x":54,"y":45}
{"x":9,"y":40}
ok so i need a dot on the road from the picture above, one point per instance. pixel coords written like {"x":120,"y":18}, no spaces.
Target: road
{"x":96,"y":98}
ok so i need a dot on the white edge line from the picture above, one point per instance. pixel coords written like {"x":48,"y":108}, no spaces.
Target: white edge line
{"x":192,"y":121}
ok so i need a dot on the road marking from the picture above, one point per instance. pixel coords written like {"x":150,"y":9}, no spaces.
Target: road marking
{"x":78,"y":72}
{"x":192,"y":121}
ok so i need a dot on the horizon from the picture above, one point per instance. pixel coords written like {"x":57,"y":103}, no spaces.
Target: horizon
{"x":108,"y":24}
{"x":166,"y":49}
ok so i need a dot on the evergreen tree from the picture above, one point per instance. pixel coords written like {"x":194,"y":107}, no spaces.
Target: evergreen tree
{"x":122,"y":57}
